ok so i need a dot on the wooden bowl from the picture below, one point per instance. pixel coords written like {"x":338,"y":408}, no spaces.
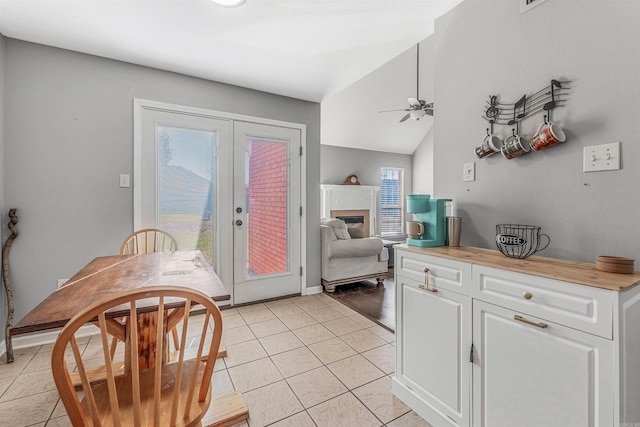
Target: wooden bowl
{"x":614,"y":264}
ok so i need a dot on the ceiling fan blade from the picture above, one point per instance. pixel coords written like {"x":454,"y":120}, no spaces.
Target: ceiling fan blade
{"x":404,"y":118}
{"x":414,"y":102}
{"x":428,"y":111}
{"x":388,"y":111}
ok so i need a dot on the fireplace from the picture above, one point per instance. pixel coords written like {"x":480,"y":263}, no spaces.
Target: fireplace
{"x":352,"y":201}
{"x":354,"y":217}
{"x":357,"y":219}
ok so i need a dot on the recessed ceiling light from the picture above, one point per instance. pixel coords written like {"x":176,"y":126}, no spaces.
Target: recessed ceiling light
{"x":229,"y":3}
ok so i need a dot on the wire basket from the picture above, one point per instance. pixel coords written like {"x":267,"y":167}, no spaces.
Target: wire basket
{"x":519,"y":241}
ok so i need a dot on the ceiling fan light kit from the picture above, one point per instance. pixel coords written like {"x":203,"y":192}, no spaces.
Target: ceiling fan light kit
{"x":417,"y":114}
{"x":229,"y":3}
{"x":418,"y":108}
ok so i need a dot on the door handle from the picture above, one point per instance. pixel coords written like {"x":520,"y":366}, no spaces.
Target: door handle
{"x":238,"y":222}
{"x":239,"y":209}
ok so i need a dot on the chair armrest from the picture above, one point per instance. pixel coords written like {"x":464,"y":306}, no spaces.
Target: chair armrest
{"x":354,"y":248}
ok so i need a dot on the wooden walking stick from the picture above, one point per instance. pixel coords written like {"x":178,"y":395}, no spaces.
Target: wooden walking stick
{"x":13,"y":220}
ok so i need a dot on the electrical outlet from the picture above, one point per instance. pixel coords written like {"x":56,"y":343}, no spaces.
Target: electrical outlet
{"x":124,"y":180}
{"x":601,"y":157}
{"x":469,"y":172}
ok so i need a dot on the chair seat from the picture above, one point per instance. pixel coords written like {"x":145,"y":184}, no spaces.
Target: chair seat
{"x":147,"y":381}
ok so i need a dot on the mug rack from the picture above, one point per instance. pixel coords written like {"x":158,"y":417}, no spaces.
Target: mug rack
{"x":511,"y":114}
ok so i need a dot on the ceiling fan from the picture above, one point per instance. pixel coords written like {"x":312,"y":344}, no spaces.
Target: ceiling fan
{"x":418,"y":108}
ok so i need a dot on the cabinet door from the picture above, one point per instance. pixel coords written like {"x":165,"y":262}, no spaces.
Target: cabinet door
{"x":529,"y":375}
{"x":433,"y":340}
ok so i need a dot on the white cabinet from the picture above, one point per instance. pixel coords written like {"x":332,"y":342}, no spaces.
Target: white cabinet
{"x":434,"y":332}
{"x":433,"y":328}
{"x":532,"y":373}
{"x":546,"y":352}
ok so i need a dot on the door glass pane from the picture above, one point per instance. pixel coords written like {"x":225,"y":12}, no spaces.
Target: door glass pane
{"x":186,"y":187}
{"x":267,"y":202}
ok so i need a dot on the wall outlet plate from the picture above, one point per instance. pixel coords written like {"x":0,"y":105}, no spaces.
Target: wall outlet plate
{"x":602,"y":157}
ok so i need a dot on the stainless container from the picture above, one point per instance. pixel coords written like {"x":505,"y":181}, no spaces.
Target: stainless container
{"x":454,"y":224}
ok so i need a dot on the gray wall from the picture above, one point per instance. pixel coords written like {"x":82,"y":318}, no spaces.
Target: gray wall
{"x":487,"y":47}
{"x":422,"y":165}
{"x":69,"y":133}
{"x":337,"y":163}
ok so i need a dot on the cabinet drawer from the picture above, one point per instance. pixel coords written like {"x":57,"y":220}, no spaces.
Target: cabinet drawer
{"x":581,"y":307}
{"x":443,"y":273}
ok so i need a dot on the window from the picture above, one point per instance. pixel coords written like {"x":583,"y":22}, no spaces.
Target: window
{"x":392,"y":202}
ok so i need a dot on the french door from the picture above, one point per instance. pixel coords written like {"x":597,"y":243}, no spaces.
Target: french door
{"x":227,"y":187}
{"x":266,"y":211}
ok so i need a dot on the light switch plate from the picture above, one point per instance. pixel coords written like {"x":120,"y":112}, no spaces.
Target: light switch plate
{"x":469,"y":172}
{"x":602,"y":157}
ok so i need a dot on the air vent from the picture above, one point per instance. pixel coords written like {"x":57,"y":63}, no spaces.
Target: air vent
{"x":526,"y":5}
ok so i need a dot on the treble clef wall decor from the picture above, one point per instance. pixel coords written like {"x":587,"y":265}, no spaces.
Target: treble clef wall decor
{"x":13,"y":220}
{"x":509,"y":114}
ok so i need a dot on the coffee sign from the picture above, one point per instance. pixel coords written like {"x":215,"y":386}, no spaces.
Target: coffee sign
{"x":510,"y":240}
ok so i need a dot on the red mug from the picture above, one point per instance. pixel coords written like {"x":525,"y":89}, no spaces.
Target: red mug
{"x":547,"y":135}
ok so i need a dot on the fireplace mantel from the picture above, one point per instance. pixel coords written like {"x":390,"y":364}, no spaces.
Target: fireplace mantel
{"x":351,"y":198}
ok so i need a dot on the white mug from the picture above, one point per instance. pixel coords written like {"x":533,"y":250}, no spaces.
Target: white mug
{"x":490,"y":145}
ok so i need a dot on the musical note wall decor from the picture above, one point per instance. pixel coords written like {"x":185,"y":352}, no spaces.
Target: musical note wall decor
{"x":546,"y":99}
{"x":511,"y":114}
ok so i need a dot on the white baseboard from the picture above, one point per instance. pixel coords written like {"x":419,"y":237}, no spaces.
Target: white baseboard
{"x":41,"y":338}
{"x":314,"y":290}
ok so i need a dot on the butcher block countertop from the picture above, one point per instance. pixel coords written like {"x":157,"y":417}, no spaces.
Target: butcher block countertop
{"x":582,"y":273}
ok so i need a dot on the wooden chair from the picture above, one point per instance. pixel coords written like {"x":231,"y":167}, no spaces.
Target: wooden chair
{"x":148,"y":240}
{"x":168,"y":394}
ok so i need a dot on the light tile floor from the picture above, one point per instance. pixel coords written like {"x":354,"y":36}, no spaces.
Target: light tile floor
{"x":301,"y":361}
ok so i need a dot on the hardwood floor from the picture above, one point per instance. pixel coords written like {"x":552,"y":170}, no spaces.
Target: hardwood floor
{"x":373,"y":301}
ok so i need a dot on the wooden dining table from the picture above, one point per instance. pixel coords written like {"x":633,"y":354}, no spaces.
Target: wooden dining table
{"x":105,"y":276}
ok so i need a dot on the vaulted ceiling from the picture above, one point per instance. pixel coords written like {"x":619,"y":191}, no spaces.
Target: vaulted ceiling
{"x":306,"y":49}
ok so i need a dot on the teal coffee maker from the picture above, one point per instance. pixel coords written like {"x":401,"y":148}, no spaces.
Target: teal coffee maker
{"x":432,"y":214}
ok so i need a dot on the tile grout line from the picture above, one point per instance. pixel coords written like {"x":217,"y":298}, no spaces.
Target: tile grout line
{"x":316,"y":305}
{"x":348,"y":389}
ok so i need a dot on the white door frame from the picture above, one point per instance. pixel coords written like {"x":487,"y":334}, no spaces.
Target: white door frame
{"x":139,"y":105}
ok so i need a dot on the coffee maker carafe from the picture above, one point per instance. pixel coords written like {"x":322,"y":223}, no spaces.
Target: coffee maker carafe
{"x":431,"y":213}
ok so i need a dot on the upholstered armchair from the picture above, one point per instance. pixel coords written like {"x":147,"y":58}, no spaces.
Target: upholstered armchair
{"x":350,"y":257}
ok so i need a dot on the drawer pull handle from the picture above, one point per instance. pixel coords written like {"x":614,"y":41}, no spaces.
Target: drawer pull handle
{"x":529,"y":322}
{"x":527,"y":295}
{"x":426,"y":282}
